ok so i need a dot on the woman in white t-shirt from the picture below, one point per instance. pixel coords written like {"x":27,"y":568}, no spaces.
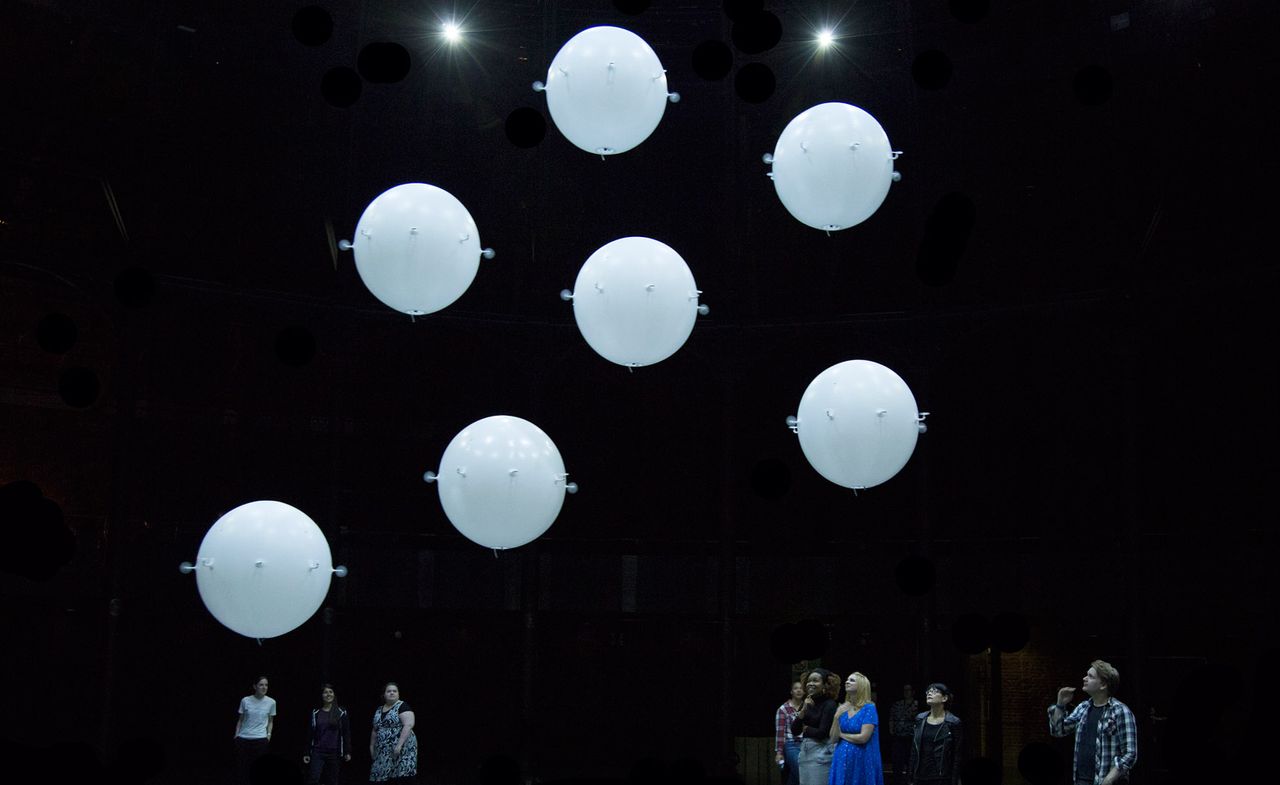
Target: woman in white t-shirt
{"x":253,"y":727}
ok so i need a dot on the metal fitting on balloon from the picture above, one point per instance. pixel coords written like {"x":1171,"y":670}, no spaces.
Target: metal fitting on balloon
{"x":793,"y":423}
{"x":566,"y":295}
{"x":569,"y":487}
{"x":920,"y":425}
{"x":539,"y":86}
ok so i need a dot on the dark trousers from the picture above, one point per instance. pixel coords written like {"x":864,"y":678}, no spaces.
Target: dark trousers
{"x":247,"y":751}
{"x":899,"y":757}
{"x":323,"y":768}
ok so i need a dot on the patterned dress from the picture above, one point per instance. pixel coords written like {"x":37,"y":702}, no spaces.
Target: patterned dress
{"x":858,"y":764}
{"x":386,"y":765}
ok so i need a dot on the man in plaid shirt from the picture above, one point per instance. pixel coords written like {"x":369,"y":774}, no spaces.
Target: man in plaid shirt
{"x":1106,"y":733}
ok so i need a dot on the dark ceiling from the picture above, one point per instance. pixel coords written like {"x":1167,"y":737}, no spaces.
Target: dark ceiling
{"x":1071,"y":276}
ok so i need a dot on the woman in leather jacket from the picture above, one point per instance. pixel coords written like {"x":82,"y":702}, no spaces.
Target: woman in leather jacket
{"x":937,"y":742}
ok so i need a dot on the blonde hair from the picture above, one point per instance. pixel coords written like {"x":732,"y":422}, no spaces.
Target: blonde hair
{"x":1107,"y":672}
{"x":861,"y":692}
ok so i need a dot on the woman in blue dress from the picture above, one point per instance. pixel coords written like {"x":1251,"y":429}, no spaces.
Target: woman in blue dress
{"x":857,"y":757}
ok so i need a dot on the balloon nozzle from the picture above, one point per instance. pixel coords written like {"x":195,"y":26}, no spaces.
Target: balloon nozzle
{"x":566,"y":295}
{"x":186,"y":568}
{"x":488,"y":253}
{"x":429,"y":476}
{"x":340,"y":570}
{"x":539,"y":86}
{"x":345,"y":245}
{"x":793,"y":423}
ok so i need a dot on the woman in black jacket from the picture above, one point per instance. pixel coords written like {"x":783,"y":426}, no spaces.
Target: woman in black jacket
{"x":937,"y":742}
{"x":812,"y":725}
{"x":329,"y":740}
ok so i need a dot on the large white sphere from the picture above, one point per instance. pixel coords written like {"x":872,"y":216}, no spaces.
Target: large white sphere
{"x":263,"y":569}
{"x":502,"y":482}
{"x":832,"y":166}
{"x":858,"y":423}
{"x":606,"y":90}
{"x":635,"y":301}
{"x":416,"y":248}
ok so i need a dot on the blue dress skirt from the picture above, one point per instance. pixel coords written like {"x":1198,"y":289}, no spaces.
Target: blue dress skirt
{"x":858,"y":764}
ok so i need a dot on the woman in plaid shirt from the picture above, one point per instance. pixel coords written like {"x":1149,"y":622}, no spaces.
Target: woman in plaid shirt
{"x":1106,"y":732}
{"x":786,"y":745}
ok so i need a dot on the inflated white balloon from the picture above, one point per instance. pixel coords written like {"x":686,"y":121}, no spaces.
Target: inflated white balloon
{"x":858,"y":423}
{"x":502,"y":482}
{"x":417,"y":248}
{"x":606,"y":90}
{"x":263,"y":569}
{"x":635,"y":301}
{"x":832,"y":166}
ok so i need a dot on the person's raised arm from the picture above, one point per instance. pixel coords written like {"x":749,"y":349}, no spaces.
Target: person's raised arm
{"x":1060,"y":721}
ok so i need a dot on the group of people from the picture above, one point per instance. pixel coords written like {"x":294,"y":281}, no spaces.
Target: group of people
{"x":392,"y":743}
{"x":821,"y":742}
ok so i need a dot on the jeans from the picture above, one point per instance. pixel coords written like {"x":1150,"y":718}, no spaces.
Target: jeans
{"x":791,"y":763}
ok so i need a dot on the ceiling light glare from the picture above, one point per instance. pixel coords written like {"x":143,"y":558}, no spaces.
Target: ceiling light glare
{"x":826,"y":38}
{"x":452,"y":33}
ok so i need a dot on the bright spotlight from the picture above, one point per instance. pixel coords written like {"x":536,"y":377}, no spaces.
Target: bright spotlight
{"x":825,"y":39}
{"x":452,"y":33}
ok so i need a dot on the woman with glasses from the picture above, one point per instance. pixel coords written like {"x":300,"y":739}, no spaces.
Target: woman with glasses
{"x":936,"y":743}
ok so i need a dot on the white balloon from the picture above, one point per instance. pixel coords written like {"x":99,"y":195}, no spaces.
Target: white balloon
{"x":858,"y":423}
{"x":606,"y":90}
{"x":416,"y":248}
{"x":263,"y":569}
{"x":502,"y":482}
{"x":832,"y":166}
{"x":635,"y":301}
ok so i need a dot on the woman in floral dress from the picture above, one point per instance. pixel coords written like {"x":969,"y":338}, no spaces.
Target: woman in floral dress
{"x":392,"y":745}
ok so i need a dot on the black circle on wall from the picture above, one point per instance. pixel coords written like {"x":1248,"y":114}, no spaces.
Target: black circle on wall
{"x":756,"y":33}
{"x":79,"y":387}
{"x":971,"y":633}
{"x":980,"y":771}
{"x":526,"y":127}
{"x":931,"y":70}
{"x":56,"y":333}
{"x":712,"y":60}
{"x":312,"y":25}
{"x":1040,"y":763}
{"x":754,"y":83}
{"x":383,"y":62}
{"x":1010,"y":632}
{"x":736,"y":9}
{"x":341,"y":86}
{"x":812,"y":639}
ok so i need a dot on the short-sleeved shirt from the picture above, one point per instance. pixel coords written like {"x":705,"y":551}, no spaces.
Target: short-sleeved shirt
{"x":254,"y":712}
